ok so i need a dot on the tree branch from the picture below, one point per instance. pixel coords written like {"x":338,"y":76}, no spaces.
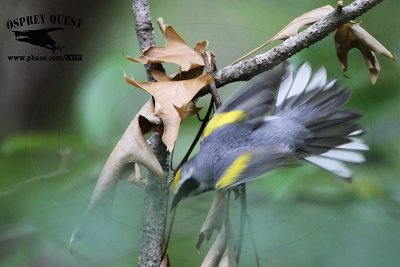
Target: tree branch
{"x":155,"y":198}
{"x":249,"y":68}
{"x":145,"y":32}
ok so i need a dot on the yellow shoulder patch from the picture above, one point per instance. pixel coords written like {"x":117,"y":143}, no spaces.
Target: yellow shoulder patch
{"x":221,"y":119}
{"x":234,"y":171}
{"x":177,"y":178}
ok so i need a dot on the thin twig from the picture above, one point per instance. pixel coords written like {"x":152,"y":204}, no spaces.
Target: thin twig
{"x":62,"y":169}
{"x":209,"y":65}
{"x":253,"y":242}
{"x":243,"y":217}
{"x":169,"y":232}
{"x":196,"y":138}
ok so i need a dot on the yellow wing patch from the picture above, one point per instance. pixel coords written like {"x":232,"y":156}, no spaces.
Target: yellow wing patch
{"x":234,"y":171}
{"x":221,"y":119}
{"x":177,"y":178}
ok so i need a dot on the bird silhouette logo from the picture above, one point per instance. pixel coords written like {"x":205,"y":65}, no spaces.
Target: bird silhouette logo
{"x":39,"y":37}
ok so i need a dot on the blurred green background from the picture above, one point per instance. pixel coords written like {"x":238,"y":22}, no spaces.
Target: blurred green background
{"x":60,"y":121}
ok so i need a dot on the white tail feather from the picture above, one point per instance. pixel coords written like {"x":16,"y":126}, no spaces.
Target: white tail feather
{"x":343,"y":155}
{"x":330,"y":85}
{"x":318,"y":80}
{"x":356,"y":132}
{"x":285,"y":86}
{"x":331,"y":165}
{"x":354,"y":146}
{"x":300,"y":81}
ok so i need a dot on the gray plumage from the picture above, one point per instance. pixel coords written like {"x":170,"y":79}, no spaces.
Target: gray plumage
{"x":292,"y":116}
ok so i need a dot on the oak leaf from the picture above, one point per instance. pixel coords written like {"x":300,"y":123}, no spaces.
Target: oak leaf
{"x":294,"y":27}
{"x":215,"y":217}
{"x":352,"y":35}
{"x":165,"y":261}
{"x":170,"y":95}
{"x":175,"y":51}
{"x":185,"y":75}
{"x":228,"y":259}
{"x":217,"y":249}
{"x":188,"y":110}
{"x":131,"y":148}
{"x":221,"y":253}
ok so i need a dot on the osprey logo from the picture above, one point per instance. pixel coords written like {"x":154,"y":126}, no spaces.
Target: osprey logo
{"x":22,"y":29}
{"x":39,"y":37}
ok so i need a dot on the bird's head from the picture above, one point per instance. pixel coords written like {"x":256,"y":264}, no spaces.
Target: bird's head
{"x":189,"y":180}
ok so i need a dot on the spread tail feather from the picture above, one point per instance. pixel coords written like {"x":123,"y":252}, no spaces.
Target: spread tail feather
{"x":316,"y":104}
{"x":258,"y":96}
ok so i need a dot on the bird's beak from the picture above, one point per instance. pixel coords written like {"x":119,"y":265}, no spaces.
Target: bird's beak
{"x":175,"y":202}
{"x":177,"y":198}
{"x":188,"y":188}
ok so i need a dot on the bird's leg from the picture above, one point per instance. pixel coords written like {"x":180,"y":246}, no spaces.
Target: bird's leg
{"x":241,"y":195}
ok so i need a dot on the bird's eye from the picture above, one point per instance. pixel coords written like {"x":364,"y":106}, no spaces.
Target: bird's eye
{"x":189,"y":187}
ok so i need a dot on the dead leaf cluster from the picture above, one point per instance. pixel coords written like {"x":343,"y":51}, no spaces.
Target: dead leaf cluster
{"x":348,"y":36}
{"x":131,"y":148}
{"x":352,"y":35}
{"x":173,"y":94}
{"x":222,"y":251}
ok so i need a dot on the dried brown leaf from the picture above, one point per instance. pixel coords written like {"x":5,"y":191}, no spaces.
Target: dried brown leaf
{"x":217,"y":249}
{"x":188,"y":110}
{"x":186,"y":75}
{"x":215,"y":218}
{"x":200,"y":46}
{"x":175,"y":51}
{"x":294,"y":27}
{"x":352,"y":35}
{"x":168,"y":96}
{"x":179,"y":76}
{"x":306,"y":19}
{"x":228,"y":259}
{"x":132,"y":147}
{"x":136,"y":177}
{"x":160,"y":76}
{"x":165,"y":261}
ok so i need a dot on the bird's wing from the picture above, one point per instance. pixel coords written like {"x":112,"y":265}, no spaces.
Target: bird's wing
{"x":251,"y":101}
{"x":246,"y":165}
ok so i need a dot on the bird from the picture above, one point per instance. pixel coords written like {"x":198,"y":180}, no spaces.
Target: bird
{"x":288,"y":115}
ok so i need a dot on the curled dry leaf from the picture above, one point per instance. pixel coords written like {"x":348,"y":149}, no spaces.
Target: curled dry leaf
{"x":222,"y":253}
{"x":188,"y":110}
{"x":228,"y":258}
{"x":179,"y":76}
{"x":132,"y":147}
{"x":294,"y":27}
{"x":217,"y":249}
{"x":306,"y":19}
{"x":352,"y":35}
{"x":169,"y":96}
{"x":215,"y":217}
{"x":136,"y":177}
{"x":165,"y":261}
{"x":175,"y":51}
